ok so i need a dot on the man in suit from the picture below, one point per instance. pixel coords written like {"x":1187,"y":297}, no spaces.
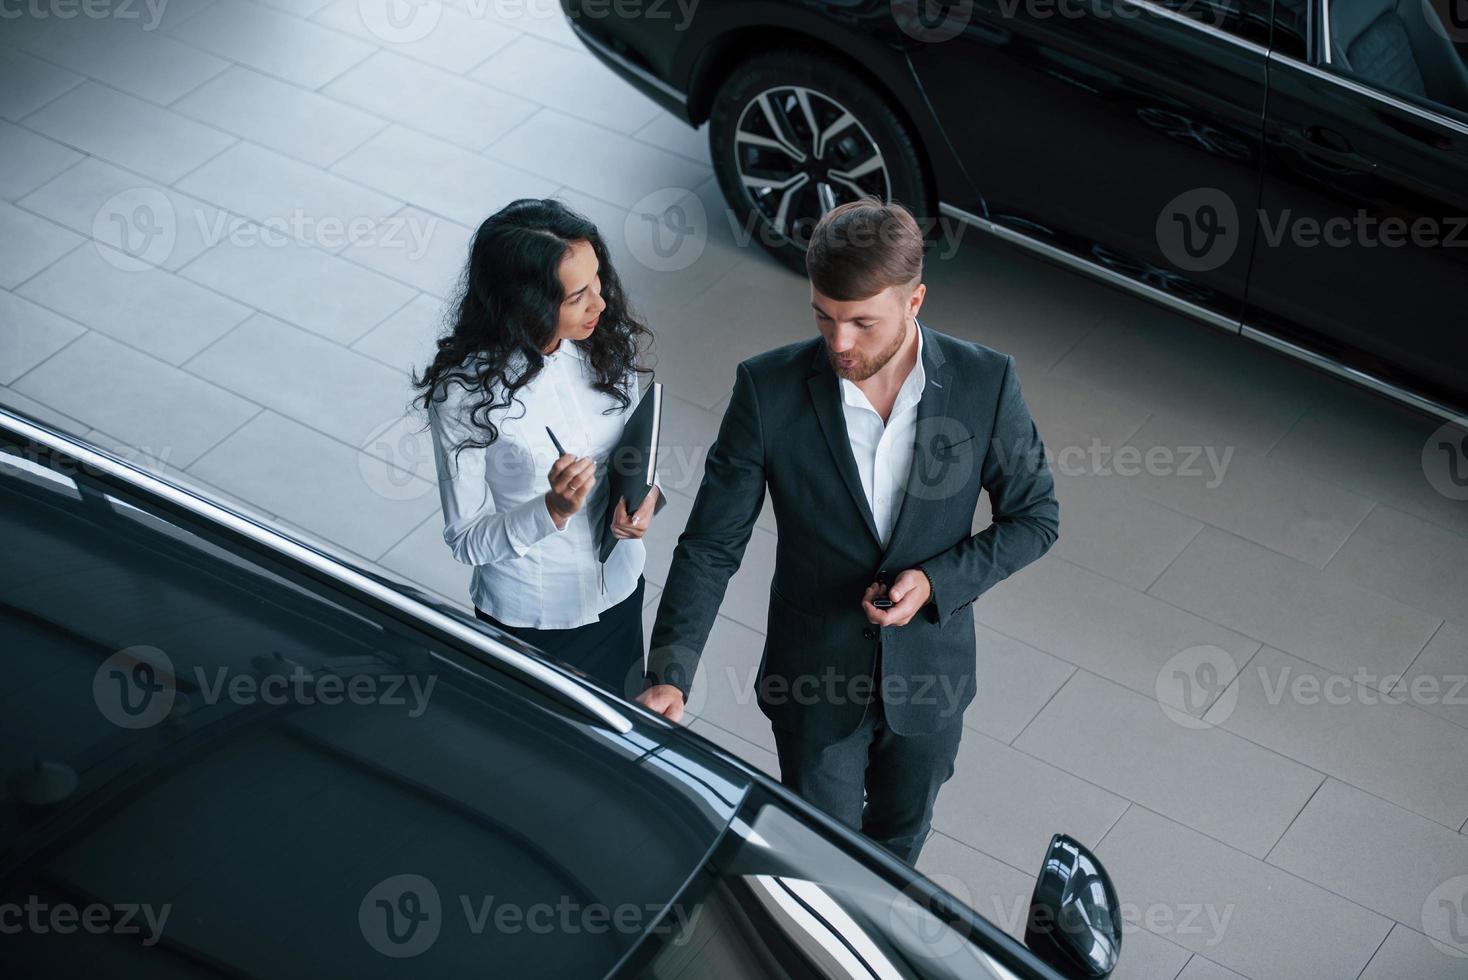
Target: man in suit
{"x":874,"y":441}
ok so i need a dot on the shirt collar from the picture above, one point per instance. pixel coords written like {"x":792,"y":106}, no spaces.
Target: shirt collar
{"x":570,"y":349}
{"x":916,"y":380}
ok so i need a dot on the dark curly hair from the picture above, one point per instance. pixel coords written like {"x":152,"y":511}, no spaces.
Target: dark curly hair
{"x":509,"y":301}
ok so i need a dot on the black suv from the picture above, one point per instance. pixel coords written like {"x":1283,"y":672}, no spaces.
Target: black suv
{"x":1292,"y":171}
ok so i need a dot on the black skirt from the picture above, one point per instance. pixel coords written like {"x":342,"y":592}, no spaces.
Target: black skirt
{"x":608,"y":651}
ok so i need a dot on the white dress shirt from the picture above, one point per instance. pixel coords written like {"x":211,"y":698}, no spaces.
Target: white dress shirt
{"x":884,"y":451}
{"x":528,"y":572}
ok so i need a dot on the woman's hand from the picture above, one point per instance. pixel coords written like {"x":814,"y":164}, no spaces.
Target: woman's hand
{"x":636,"y":525}
{"x":571,"y":479}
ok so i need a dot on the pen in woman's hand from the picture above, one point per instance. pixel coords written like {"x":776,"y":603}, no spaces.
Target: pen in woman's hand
{"x":560,"y":450}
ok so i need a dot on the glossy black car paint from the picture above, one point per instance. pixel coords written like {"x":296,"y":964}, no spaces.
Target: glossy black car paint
{"x":1078,"y":123}
{"x":268,"y":826}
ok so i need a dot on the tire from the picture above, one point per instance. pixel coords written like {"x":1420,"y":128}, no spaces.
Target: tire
{"x":776,"y":80}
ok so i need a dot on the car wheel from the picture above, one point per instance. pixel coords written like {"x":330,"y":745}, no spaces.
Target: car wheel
{"x":793,"y":134}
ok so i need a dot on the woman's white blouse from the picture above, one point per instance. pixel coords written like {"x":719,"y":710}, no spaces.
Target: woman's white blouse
{"x":527,"y":572}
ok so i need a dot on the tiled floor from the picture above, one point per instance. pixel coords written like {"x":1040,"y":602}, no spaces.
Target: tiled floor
{"x":178,"y":283}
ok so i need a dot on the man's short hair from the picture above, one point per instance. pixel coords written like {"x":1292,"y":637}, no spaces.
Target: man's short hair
{"x":860,"y":248}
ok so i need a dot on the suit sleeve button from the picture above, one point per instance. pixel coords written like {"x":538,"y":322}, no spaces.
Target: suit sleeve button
{"x":869,"y":633}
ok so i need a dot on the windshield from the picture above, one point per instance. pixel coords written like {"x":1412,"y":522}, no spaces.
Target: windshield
{"x":216,"y":764}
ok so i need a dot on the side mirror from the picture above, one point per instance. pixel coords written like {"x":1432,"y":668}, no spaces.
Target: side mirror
{"x":1075,"y":920}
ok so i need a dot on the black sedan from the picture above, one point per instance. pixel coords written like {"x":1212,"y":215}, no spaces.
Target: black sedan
{"x":232,"y":753}
{"x":1292,"y":171}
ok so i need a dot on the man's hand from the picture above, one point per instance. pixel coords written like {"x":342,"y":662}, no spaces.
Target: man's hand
{"x":636,"y":525}
{"x":664,"y":699}
{"x":909,"y":593}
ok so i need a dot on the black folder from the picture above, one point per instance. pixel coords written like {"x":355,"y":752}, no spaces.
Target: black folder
{"x":633,"y":464}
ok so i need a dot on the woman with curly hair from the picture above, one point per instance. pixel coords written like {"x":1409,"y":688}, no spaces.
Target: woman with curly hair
{"x":543,"y":338}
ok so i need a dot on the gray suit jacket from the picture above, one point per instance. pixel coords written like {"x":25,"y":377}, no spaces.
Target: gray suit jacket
{"x":784,"y":429}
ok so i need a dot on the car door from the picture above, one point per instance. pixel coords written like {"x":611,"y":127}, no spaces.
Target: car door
{"x":1361,"y":250}
{"x":1125,"y":133}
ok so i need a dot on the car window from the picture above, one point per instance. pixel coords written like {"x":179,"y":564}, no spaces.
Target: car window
{"x":217,"y":763}
{"x":1412,"y":49}
{"x":1245,"y":20}
{"x":778,"y":892}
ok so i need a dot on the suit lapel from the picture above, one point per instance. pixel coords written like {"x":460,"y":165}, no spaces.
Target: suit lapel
{"x":825,"y":394}
{"x":932,"y":405}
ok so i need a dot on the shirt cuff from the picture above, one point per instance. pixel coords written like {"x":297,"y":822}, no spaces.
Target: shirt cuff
{"x":531,"y":523}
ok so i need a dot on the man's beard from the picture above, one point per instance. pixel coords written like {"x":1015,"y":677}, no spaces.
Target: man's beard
{"x":866,"y":367}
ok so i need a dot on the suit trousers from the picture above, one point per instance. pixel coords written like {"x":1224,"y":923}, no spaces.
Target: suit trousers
{"x":873,"y":780}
